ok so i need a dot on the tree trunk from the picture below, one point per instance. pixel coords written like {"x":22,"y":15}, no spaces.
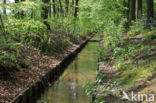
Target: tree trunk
{"x":61,"y":8}
{"x":2,"y":25}
{"x":73,"y":3}
{"x":138,"y":8}
{"x":67,"y":6}
{"x":72,"y":6}
{"x":150,"y":10}
{"x":54,"y":7}
{"x":132,"y":9}
{"x":4,"y":9}
{"x":16,"y":1}
{"x":126,"y":12}
{"x":50,"y":10}
{"x":76,"y":8}
{"x":45,"y":12}
{"x":128,"y":6}
{"x":57,"y":8}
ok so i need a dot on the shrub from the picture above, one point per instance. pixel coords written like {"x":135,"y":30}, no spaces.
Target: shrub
{"x":10,"y":57}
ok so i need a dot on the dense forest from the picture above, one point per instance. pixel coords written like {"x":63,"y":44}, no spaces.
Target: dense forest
{"x":35,"y":33}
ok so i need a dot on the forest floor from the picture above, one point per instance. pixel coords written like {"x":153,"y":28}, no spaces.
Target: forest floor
{"x":39,"y":64}
{"x":137,"y":72}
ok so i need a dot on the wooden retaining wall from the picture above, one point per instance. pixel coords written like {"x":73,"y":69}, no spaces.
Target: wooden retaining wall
{"x":28,"y":95}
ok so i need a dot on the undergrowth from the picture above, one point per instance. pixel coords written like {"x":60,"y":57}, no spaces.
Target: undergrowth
{"x":24,"y":26}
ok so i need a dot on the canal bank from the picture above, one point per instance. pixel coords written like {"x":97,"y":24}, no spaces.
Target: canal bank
{"x":126,"y":74}
{"x":50,"y":76}
{"x":70,"y":87}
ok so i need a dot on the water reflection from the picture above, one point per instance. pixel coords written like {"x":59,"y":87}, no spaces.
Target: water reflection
{"x":69,"y":88}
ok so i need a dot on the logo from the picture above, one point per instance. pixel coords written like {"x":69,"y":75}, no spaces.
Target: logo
{"x":138,"y":97}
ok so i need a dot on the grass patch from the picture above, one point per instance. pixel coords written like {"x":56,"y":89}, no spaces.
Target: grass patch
{"x":135,"y":65}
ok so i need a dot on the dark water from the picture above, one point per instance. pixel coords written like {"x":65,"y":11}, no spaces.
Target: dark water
{"x":70,"y":87}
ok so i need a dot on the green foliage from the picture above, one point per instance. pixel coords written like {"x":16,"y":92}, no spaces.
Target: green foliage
{"x":123,"y":66}
{"x":102,"y":53}
{"x":128,"y":52}
{"x":101,"y":89}
{"x":19,"y":29}
{"x":25,"y":26}
{"x":112,"y":34}
{"x":104,"y":16}
{"x":55,"y":45}
{"x":97,"y":12}
{"x":64,"y":26}
{"x":10,"y":56}
{"x":139,"y":26}
{"x":30,"y":9}
{"x":68,"y":26}
{"x":32,"y":32}
{"x":150,"y":37}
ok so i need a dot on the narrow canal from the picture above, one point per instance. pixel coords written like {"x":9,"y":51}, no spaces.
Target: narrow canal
{"x":70,"y":86}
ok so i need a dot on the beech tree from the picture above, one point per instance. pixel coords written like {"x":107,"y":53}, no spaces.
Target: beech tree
{"x":4,"y":9}
{"x":61,"y":7}
{"x":45,"y":9}
{"x":67,"y":6}
{"x":72,"y":6}
{"x":16,"y":1}
{"x":138,"y":8}
{"x":45,"y":12}
{"x":132,"y":6}
{"x":54,"y":7}
{"x":76,"y":8}
{"x":150,"y":9}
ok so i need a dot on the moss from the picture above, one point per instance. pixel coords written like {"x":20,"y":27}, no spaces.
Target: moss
{"x":136,"y":66}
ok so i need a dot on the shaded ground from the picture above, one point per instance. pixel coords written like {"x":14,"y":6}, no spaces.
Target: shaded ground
{"x":136,"y":73}
{"x":38,"y":66}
